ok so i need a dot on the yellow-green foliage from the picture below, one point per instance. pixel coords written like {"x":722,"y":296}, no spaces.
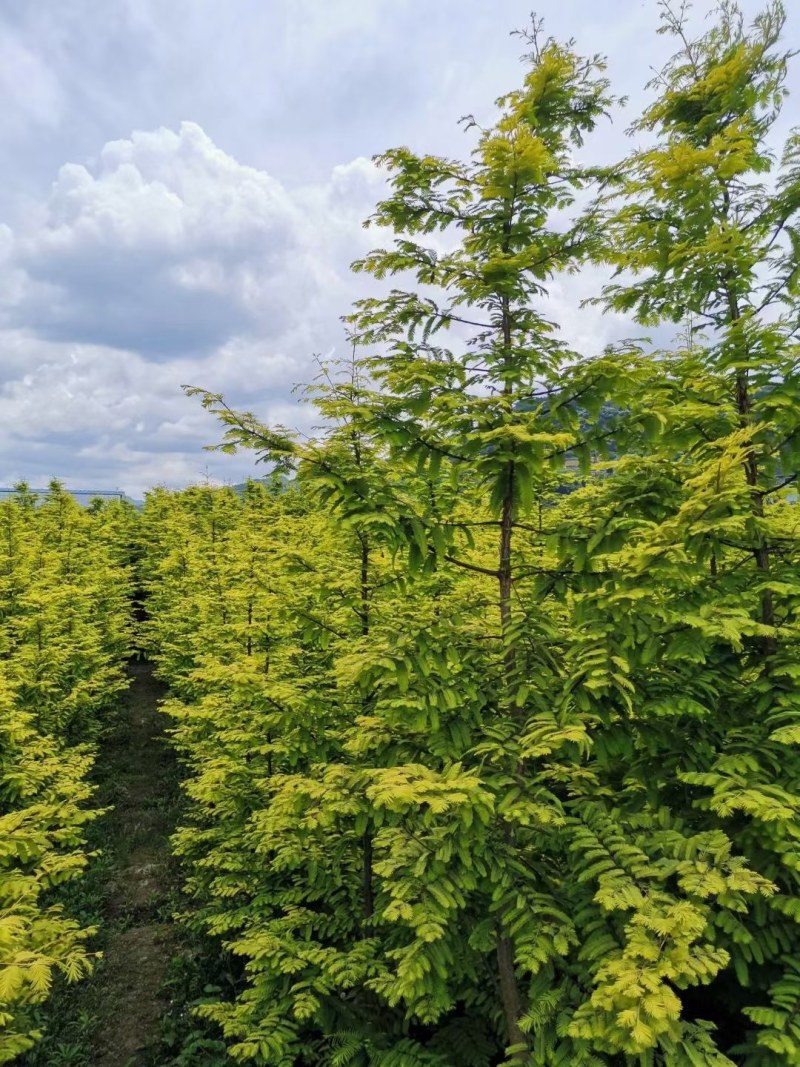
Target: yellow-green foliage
{"x":490,"y":715}
{"x":43,"y":794}
{"x":64,"y":633}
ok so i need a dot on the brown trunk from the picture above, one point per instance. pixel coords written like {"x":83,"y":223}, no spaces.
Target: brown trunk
{"x":743,"y":407}
{"x":368,"y":899}
{"x":368,"y":903}
{"x":509,"y":988}
{"x":364,"y":608}
{"x":761,"y":548}
{"x":509,"y":991}
{"x":507,"y":522}
{"x":250,"y":604}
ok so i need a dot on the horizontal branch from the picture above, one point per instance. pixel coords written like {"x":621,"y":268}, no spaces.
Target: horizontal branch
{"x":472,"y":567}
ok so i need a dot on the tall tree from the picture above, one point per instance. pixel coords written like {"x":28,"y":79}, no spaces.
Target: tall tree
{"x":549,"y":766}
{"x":477,"y":429}
{"x":493,"y":400}
{"x":702,"y":227}
{"x":708,"y":229}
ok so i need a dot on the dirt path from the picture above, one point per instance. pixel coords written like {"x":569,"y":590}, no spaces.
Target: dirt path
{"x":113,"y":1018}
{"x":141,"y":787}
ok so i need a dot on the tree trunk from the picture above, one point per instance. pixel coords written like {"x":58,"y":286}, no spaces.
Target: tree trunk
{"x":509,"y":988}
{"x":368,"y":903}
{"x":760,"y":550}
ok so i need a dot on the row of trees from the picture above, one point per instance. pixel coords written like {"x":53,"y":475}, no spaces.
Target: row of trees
{"x":64,"y":637}
{"x":491,"y":716}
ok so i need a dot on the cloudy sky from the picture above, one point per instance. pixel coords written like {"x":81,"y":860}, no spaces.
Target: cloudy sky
{"x":182,"y":190}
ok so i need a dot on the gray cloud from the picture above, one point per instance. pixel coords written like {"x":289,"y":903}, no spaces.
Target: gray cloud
{"x":166,"y":245}
{"x":166,"y":261}
{"x":216,"y":251}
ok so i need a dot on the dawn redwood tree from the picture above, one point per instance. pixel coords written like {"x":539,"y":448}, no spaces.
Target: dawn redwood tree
{"x":708,"y":227}
{"x":64,"y":638}
{"x":279,"y":846}
{"x":476,"y":429}
{"x":64,"y":621}
{"x":472,"y":375}
{"x":702,"y":226}
{"x":536,"y":721}
{"x":44,"y":795}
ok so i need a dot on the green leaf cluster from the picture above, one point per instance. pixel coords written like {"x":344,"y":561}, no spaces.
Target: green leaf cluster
{"x":489,"y":703}
{"x":64,"y":636}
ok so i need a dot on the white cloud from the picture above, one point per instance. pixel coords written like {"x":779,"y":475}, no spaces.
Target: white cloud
{"x":162,"y":258}
{"x":165,"y":245}
{"x":100,"y":416}
{"x":166,"y":261}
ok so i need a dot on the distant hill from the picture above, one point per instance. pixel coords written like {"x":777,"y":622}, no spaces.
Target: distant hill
{"x":83,"y":496}
{"x":268,"y":481}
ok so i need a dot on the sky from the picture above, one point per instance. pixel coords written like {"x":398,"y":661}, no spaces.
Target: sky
{"x":182,"y":191}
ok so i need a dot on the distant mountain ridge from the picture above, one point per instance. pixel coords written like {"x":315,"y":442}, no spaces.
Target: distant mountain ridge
{"x":83,"y":496}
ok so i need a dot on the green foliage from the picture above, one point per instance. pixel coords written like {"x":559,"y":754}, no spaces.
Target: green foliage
{"x":64,"y":631}
{"x":490,"y":710}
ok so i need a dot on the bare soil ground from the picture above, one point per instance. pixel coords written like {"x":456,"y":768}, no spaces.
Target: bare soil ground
{"x":113,"y":1018}
{"x":140,"y":942}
